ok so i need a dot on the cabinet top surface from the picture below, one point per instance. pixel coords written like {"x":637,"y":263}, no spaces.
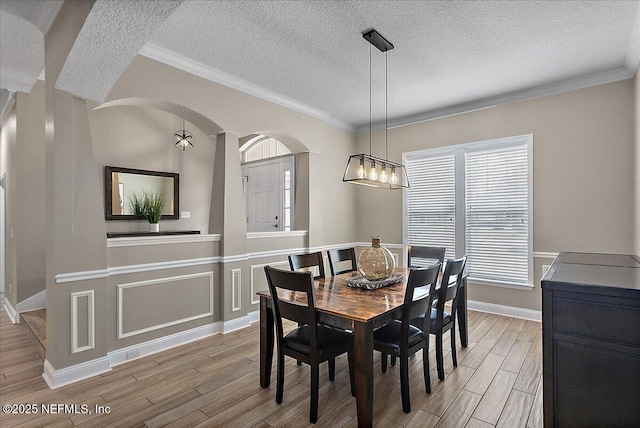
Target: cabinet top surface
{"x":600,"y":270}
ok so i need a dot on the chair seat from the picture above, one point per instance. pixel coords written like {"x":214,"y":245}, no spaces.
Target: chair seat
{"x":389,"y":337}
{"x":329,"y":338}
{"x":419,"y":321}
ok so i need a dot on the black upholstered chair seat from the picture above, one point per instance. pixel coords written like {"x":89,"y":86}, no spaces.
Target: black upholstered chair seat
{"x":419,"y":321}
{"x":389,"y":337}
{"x":329,"y":339}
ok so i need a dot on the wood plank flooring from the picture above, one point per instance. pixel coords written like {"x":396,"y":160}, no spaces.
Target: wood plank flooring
{"x":214,"y":382}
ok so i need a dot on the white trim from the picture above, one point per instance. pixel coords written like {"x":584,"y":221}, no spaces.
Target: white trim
{"x":368,"y":244}
{"x":91,"y":321}
{"x":5,"y":108}
{"x":81,"y":276}
{"x":120,"y":315}
{"x":235,"y":258}
{"x":503,"y":284}
{"x":37,"y":301}
{"x":11,"y":312}
{"x":510,"y":311}
{"x":633,"y":52}
{"x":57,"y":378}
{"x":119,"y":356}
{"x":512,"y":97}
{"x":253,"y":316}
{"x":273,"y":253}
{"x":181,"y":62}
{"x":542,"y":255}
{"x":137,"y":241}
{"x":278,"y":234}
{"x":127,"y":269}
{"x":173,"y":264}
{"x":45,"y":13}
{"x":236,"y":288}
{"x":254,"y":299}
{"x":235,"y":324}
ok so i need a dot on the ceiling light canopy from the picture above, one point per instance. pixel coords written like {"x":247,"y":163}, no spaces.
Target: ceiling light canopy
{"x":366,"y":169}
{"x":184,"y":139}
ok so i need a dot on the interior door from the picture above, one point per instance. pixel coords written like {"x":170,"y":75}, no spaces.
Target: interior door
{"x":264,"y":204}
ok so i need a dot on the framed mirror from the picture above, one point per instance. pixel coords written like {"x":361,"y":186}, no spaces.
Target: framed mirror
{"x":122,"y":184}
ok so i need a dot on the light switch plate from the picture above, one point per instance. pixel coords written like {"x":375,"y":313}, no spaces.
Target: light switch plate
{"x":185,"y":214}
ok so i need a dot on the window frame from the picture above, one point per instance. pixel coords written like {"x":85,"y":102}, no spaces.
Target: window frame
{"x":459,"y":151}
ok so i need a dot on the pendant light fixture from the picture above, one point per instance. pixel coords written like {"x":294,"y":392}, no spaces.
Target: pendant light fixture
{"x":366,"y":169}
{"x":184,"y":139}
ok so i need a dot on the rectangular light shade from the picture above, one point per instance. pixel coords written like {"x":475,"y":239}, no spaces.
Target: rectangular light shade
{"x":371,"y":171}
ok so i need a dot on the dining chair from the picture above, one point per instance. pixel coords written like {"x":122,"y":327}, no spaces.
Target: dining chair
{"x":311,"y":343}
{"x":342,"y":255}
{"x":439,"y":320}
{"x":310,"y":260}
{"x":401,"y":338}
{"x":430,"y":253}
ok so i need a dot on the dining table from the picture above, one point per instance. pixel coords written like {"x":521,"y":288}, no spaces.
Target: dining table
{"x":359,"y":310}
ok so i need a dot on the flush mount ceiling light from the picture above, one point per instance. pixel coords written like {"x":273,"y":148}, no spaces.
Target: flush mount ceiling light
{"x":184,"y":139}
{"x":366,"y":169}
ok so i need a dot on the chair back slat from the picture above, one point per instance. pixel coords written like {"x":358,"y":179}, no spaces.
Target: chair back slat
{"x":419,"y":252}
{"x":342,"y":255}
{"x":302,"y":311}
{"x":451,"y":280}
{"x":301,"y":261}
{"x":415,"y":305}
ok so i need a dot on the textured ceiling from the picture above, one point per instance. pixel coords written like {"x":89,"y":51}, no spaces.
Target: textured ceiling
{"x":310,"y":56}
{"x":21,"y":53}
{"x":446,"y":53}
{"x":112,"y":35}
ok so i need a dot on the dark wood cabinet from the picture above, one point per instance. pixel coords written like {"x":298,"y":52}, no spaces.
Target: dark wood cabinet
{"x":591,"y":341}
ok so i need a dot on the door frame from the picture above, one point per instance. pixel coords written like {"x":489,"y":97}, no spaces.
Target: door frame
{"x":3,"y":237}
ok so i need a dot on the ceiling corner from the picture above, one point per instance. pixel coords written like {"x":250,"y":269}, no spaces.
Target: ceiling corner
{"x":46,"y":13}
{"x":633,"y":53}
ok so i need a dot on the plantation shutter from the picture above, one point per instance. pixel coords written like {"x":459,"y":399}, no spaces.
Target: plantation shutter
{"x":497,"y":213}
{"x":431,"y":202}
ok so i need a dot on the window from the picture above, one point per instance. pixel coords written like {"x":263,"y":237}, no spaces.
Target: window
{"x":264,"y":147}
{"x":475,"y":199}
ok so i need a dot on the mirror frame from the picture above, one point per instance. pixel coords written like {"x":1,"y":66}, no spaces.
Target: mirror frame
{"x":108,"y":187}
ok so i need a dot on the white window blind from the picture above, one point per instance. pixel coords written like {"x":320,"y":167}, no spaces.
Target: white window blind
{"x":431,"y":204}
{"x":488,"y":185}
{"x":497,"y":209}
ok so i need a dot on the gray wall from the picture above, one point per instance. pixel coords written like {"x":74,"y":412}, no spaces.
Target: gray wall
{"x":583,"y":173}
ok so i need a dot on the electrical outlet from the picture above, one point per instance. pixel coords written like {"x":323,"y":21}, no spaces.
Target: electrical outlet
{"x":134,"y":353}
{"x":185,"y":214}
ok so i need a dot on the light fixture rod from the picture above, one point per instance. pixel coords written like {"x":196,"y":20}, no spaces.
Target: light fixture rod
{"x":386,"y":128}
{"x":370,"y":117}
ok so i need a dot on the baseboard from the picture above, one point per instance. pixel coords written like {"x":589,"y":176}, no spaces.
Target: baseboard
{"x":253,"y":316}
{"x":57,"y":378}
{"x":236,"y":324}
{"x":11,"y":312}
{"x":510,"y":311}
{"x":37,"y":301}
{"x":119,"y":356}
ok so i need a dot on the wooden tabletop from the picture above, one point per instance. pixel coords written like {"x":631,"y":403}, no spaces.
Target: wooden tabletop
{"x":334,"y":296}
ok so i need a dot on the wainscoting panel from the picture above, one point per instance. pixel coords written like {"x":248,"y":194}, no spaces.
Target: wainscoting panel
{"x":236,"y":289}
{"x":259,"y":280}
{"x":82,"y":321}
{"x":149,"y":305}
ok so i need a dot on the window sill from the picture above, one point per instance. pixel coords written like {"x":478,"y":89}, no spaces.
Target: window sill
{"x":501,"y":284}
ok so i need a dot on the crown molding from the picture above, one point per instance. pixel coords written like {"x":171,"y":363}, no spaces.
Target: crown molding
{"x":7,"y":103}
{"x":633,"y":53}
{"x":183,"y":63}
{"x":45,"y":14}
{"x":511,"y":97}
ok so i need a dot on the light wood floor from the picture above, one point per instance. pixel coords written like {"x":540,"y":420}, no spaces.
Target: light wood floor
{"x":214,"y":382}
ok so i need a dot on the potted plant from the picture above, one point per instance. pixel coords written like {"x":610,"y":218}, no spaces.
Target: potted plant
{"x":153,"y":206}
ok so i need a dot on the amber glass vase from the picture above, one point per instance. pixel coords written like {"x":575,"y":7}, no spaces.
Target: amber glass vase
{"x":377,"y":262}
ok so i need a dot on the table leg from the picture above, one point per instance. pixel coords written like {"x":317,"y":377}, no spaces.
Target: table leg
{"x":462,"y":313}
{"x":363,"y":353}
{"x":266,"y":342}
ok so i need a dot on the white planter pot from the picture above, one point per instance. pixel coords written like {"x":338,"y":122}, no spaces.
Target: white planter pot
{"x":154,"y":227}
